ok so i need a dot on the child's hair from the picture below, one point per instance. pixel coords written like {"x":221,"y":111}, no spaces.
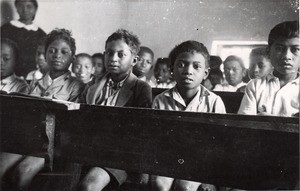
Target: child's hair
{"x":62,"y":34}
{"x":189,"y":46}
{"x":129,"y":38}
{"x":98,"y":55}
{"x":286,"y":30}
{"x":235,"y":58}
{"x":34,"y":2}
{"x":13,"y":45}
{"x":83,"y":55}
{"x":147,"y":50}
{"x":215,"y":62}
{"x":261,"y":51}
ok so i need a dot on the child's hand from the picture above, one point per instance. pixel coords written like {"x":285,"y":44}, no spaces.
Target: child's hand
{"x":207,"y":187}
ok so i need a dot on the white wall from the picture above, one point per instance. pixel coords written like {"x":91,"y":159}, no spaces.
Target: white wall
{"x":160,"y":24}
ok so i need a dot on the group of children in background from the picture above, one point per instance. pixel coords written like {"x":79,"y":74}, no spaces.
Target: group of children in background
{"x":119,"y":77}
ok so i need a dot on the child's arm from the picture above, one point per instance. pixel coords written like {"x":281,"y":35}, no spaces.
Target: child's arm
{"x":144,"y":98}
{"x":77,"y":89}
{"x":249,"y":102}
{"x":219,"y":106}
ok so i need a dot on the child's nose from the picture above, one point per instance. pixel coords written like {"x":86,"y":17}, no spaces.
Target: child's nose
{"x":256,"y":69}
{"x":287,"y":54}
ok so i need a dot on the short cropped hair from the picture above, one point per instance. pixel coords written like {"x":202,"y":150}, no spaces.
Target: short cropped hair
{"x":147,"y":50}
{"x":129,"y":38}
{"x":286,"y":30}
{"x":34,"y":2}
{"x":83,"y":55}
{"x":261,"y":51}
{"x":98,"y":55}
{"x":189,"y":46}
{"x":62,"y":34}
{"x":14,"y":46}
{"x":235,"y":58}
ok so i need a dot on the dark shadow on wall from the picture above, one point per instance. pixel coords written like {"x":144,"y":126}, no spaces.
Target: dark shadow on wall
{"x":6,"y":12}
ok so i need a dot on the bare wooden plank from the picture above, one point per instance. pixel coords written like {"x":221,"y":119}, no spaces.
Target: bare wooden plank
{"x":27,"y":126}
{"x":247,"y":152}
{"x":232,"y":100}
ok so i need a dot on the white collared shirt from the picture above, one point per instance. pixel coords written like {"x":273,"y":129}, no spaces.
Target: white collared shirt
{"x":18,"y":24}
{"x":265,"y":95}
{"x":204,"y":101}
{"x":228,"y":88}
{"x":13,"y":83}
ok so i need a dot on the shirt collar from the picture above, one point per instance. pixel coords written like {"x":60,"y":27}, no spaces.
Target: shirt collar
{"x":18,"y":24}
{"x":8,"y":79}
{"x":47,"y":80}
{"x":202,"y":91}
{"x":272,"y":77}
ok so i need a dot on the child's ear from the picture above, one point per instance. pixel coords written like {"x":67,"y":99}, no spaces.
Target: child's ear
{"x":135,"y":60}
{"x":206,"y":73}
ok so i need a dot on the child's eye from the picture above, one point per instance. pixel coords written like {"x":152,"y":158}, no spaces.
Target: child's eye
{"x":51,"y":50}
{"x":180,"y":65}
{"x":121,"y":55}
{"x":65,"y":52}
{"x":260,"y":65}
{"x":279,"y":48}
{"x":295,"y":50}
{"x":5,"y":59}
{"x":196,"y":66}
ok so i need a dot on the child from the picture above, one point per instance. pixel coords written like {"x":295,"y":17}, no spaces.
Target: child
{"x":234,"y":70}
{"x":83,"y":68}
{"x":162,"y":74}
{"x":58,"y":84}
{"x":41,"y":63}
{"x":260,"y":65}
{"x":9,"y":58}
{"x":144,"y":64}
{"x":277,"y":93}
{"x":98,"y":61}
{"x":189,"y":62}
{"x":118,"y":87}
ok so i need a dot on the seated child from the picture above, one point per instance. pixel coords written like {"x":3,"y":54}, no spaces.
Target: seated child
{"x":234,"y":70}
{"x":83,"y":68}
{"x":215,"y":75}
{"x":260,"y":65}
{"x":118,"y":87}
{"x":144,"y":64}
{"x":189,"y":62}
{"x":41,"y":63}
{"x":162,"y":74}
{"x":57,"y":83}
{"x":277,"y":93}
{"x":98,"y":61}
{"x":9,"y":58}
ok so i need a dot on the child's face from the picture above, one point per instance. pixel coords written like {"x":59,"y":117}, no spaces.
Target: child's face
{"x":83,"y":69}
{"x":99,"y":66}
{"x":259,"y":67}
{"x":234,"y":73}
{"x":59,"y":56}
{"x":143,"y":65}
{"x":40,"y":59}
{"x":162,"y":73}
{"x":284,"y":55}
{"x":26,"y":10}
{"x":190,"y":70}
{"x":8,"y":60}
{"x":118,"y":58}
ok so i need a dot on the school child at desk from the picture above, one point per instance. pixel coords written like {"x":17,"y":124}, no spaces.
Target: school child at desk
{"x":84,"y":68}
{"x":235,"y":71}
{"x":260,"y":64}
{"x":118,"y":87}
{"x":98,"y":61}
{"x":9,"y":58}
{"x":277,"y":93}
{"x":56,"y":84}
{"x":162,"y":75}
{"x":189,"y":63}
{"x":144,"y":64}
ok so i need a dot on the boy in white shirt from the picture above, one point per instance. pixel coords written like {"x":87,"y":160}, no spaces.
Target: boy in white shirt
{"x":277,"y":93}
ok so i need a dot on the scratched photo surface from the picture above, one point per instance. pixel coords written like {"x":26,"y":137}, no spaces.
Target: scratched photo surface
{"x":227,"y":150}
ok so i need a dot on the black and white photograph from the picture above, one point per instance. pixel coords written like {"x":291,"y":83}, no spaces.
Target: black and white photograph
{"x":149,"y":95}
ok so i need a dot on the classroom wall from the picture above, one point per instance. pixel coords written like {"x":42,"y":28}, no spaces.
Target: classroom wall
{"x":160,"y":24}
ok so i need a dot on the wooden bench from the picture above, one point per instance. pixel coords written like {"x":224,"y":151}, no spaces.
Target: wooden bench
{"x":232,"y":100}
{"x":247,"y":152}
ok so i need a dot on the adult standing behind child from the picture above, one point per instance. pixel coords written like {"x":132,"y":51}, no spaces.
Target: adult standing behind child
{"x":26,"y":34}
{"x":278,"y":92}
{"x":9,"y":59}
{"x":260,"y":64}
{"x":234,"y":70}
{"x":118,"y":87}
{"x":189,"y":62}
